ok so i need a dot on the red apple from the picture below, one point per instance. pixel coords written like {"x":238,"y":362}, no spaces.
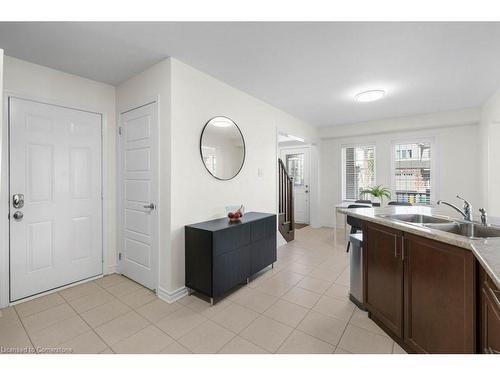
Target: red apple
{"x":237,"y":215}
{"x":230,"y":215}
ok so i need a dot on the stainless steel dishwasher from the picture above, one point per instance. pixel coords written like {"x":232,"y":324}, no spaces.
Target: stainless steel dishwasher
{"x":356,"y":274}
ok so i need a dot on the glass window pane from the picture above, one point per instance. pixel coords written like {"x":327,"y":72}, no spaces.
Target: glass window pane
{"x":412,"y":172}
{"x":295,"y":168}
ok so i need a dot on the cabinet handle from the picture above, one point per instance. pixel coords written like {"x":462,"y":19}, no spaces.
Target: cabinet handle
{"x":395,"y":246}
{"x":496,"y":296}
{"x":402,"y":248}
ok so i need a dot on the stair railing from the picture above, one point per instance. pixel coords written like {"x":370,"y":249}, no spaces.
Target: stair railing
{"x":286,"y":204}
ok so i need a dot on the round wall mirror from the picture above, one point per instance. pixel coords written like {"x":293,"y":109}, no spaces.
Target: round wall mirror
{"x":222,"y":148}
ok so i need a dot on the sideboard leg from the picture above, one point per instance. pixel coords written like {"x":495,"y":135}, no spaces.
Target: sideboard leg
{"x":211,"y":301}
{"x":189,"y":291}
{"x":272,"y":265}
{"x":248,"y":280}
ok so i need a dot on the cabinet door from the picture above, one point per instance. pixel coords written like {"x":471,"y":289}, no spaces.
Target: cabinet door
{"x":439,"y":297}
{"x":230,"y":269}
{"x":263,"y":252}
{"x":490,"y":316}
{"x":384,"y":276}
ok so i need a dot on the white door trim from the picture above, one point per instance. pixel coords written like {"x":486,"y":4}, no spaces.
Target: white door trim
{"x":120,"y":206}
{"x":5,"y":183}
{"x":309,"y":164}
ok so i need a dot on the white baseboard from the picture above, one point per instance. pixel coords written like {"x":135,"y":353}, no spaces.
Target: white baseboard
{"x":171,"y":297}
{"x":108,"y":270}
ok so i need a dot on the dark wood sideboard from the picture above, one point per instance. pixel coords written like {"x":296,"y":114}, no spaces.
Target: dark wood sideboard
{"x":221,"y":255}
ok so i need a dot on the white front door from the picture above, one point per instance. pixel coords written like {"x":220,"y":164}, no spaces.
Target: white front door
{"x":55,"y":196}
{"x":139,"y":181}
{"x":297,"y":164}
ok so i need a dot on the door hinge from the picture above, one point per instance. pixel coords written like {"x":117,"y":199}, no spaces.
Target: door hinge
{"x":119,"y":130}
{"x":119,"y":256}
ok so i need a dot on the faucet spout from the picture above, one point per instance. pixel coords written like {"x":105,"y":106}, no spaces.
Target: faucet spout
{"x":466,"y":212}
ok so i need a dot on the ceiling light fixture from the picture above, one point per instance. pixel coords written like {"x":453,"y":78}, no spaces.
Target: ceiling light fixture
{"x":222,"y":123}
{"x":369,"y":96}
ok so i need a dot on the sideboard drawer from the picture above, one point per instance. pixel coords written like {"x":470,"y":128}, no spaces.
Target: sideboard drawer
{"x":231,"y":239}
{"x":263,"y":228}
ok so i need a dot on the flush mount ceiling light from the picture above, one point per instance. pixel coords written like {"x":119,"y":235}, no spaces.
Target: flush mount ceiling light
{"x":222,"y":122}
{"x":369,"y":96}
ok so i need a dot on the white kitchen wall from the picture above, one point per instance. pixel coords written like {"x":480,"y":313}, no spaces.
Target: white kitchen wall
{"x":490,"y":154}
{"x":4,"y":264}
{"x":154,"y":85}
{"x":32,"y":81}
{"x":456,"y":154}
{"x":196,"y":195}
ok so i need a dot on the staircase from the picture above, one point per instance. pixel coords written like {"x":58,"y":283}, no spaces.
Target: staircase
{"x":286,"y":223}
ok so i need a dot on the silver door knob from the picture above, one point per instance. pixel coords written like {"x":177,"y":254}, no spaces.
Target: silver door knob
{"x":18,"y":215}
{"x":18,"y":200}
{"x":151,"y":206}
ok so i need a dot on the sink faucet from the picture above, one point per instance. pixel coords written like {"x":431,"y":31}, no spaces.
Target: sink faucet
{"x":484,"y":216}
{"x":466,"y":212}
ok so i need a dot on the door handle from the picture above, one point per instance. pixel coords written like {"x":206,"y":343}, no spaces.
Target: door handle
{"x":151,"y":206}
{"x":18,"y":200}
{"x":18,"y":215}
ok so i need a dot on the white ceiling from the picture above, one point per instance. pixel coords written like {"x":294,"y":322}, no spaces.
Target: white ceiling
{"x":311,"y":70}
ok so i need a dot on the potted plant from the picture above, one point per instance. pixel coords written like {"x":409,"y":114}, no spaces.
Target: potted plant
{"x":379,"y":192}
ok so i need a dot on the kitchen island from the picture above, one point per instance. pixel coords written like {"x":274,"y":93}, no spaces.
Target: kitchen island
{"x":431,"y":290}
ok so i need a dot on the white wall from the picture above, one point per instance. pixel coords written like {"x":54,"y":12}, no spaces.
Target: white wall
{"x":37,"y":82}
{"x":4,"y":265}
{"x":154,"y":85}
{"x":196,"y":195}
{"x":490,"y":154}
{"x":456,"y":152}
{"x":426,"y":121}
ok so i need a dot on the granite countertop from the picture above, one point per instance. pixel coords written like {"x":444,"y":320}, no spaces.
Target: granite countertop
{"x":487,"y":251}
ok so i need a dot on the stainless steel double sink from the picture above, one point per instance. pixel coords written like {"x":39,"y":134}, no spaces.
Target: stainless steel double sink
{"x":461,"y":228}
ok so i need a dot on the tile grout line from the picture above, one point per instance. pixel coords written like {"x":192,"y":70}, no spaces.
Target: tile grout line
{"x":88,"y":325}
{"x":25,"y":330}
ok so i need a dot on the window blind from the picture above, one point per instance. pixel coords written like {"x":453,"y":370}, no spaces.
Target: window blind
{"x":359,"y":170}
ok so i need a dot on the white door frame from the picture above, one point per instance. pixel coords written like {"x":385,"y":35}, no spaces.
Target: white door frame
{"x":5,"y":183}
{"x":120,"y":224}
{"x":309,"y":164}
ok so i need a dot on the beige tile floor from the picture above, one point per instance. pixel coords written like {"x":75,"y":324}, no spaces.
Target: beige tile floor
{"x":300,"y":306}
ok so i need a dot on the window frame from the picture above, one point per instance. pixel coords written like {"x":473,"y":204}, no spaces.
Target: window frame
{"x":343,"y":166}
{"x":434,"y":171}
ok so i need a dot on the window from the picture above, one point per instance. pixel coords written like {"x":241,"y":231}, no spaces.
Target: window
{"x":412,"y":172}
{"x":358,"y":164}
{"x":295,"y":168}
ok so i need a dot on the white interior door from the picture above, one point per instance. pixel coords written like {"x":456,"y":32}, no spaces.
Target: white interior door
{"x":297,"y":164}
{"x":55,"y":164}
{"x":139,"y":217}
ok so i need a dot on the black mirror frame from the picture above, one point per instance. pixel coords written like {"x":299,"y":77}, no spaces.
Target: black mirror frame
{"x":244,"y":149}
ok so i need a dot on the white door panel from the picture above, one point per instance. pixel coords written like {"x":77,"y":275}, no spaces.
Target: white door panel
{"x":55,"y":162}
{"x":139,"y":183}
{"x":297,"y":164}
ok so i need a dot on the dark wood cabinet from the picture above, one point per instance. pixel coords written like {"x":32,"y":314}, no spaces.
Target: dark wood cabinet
{"x":383,"y":281}
{"x":220,"y":255}
{"x":489,"y":310}
{"x":439,"y":297}
{"x":423,"y":292}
